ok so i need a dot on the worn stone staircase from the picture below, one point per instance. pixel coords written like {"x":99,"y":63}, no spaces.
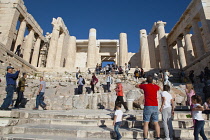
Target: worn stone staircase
{"x":84,"y":124}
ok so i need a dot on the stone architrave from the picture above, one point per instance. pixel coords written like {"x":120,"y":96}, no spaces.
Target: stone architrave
{"x":20,"y":36}
{"x":71,"y":55}
{"x":36,"y":52}
{"x":91,"y":60}
{"x":59,"y":50}
{"x":198,"y":39}
{"x":164,"y":55}
{"x":189,"y":47}
{"x":206,"y":28}
{"x":123,"y":49}
{"x":53,"y":46}
{"x":181,"y":53}
{"x":28,"y":46}
{"x":145,"y":57}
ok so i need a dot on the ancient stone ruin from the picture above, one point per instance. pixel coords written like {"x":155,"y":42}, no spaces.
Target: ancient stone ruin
{"x":55,"y":57}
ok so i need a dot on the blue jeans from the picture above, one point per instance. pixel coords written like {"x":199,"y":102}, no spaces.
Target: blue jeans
{"x":150,"y":112}
{"x":8,"y":100}
{"x":116,"y":127}
{"x":39,"y":100}
{"x":199,"y":129}
{"x":80,"y":89}
{"x":19,"y":98}
{"x":108,"y":86}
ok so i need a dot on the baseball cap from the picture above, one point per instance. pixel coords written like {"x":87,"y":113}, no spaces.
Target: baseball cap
{"x":10,"y":67}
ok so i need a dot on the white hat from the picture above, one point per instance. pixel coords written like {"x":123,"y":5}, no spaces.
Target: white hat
{"x":118,"y":81}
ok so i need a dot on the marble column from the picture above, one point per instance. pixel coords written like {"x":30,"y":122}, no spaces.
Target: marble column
{"x":181,"y":53}
{"x":164,"y":55}
{"x":36,"y":52}
{"x":91,"y":57}
{"x":151,"y":43}
{"x":28,"y":46}
{"x":175,"y":57}
{"x":198,"y":39}
{"x":53,"y":46}
{"x":71,"y":54}
{"x":58,"y":57}
{"x":206,"y":29}
{"x":145,"y":57}
{"x":157,"y":50}
{"x":20,"y":36}
{"x":123,"y":50}
{"x":189,"y":47}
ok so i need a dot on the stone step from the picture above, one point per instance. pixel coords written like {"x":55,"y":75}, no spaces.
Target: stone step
{"x":91,"y":114}
{"x":43,"y":137}
{"x":126,"y":123}
{"x":8,"y":121}
{"x":78,"y":131}
{"x":95,"y":132}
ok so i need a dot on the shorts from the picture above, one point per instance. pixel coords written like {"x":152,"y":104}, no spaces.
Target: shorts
{"x":150,"y":112}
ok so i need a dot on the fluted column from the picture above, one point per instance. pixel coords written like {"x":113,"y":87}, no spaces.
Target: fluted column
{"x":164,"y":55}
{"x":198,"y":39}
{"x":123,"y":49}
{"x":206,"y":29}
{"x":20,"y":36}
{"x":151,"y":43}
{"x":182,"y":58}
{"x":91,"y":60}
{"x":59,"y":51}
{"x":28,"y":46}
{"x":53,"y":46}
{"x":175,"y":57}
{"x":36,"y":52}
{"x":71,"y":54}
{"x":145,"y":57}
{"x":189,"y":47}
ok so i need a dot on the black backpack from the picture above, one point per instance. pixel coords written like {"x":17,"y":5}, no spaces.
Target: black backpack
{"x":83,"y":81}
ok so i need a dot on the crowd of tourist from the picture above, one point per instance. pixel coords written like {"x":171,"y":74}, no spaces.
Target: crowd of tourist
{"x":150,"y":89}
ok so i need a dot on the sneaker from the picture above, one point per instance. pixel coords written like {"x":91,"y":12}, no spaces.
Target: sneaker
{"x":35,"y":108}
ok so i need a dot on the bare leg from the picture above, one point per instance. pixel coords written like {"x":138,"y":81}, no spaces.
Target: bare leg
{"x":157,"y":129}
{"x":146,"y":127}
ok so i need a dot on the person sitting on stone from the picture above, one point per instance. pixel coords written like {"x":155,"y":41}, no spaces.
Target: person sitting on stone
{"x":120,"y":70}
{"x":137,"y":73}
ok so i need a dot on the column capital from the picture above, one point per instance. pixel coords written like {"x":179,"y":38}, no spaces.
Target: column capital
{"x":160,"y":23}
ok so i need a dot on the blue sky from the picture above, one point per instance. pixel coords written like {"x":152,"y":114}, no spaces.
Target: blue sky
{"x":108,"y":17}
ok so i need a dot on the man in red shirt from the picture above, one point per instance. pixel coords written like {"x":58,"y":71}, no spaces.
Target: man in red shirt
{"x":119,"y":93}
{"x":150,"y":106}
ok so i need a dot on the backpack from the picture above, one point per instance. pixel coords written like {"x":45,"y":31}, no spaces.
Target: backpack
{"x":83,"y":81}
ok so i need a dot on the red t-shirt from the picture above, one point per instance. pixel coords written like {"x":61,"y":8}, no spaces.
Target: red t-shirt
{"x":119,"y":90}
{"x":150,"y":94}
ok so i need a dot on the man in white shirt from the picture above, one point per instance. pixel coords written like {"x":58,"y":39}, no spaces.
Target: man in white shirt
{"x":109,"y":82}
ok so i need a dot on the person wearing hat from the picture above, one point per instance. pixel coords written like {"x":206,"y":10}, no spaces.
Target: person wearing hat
{"x":10,"y":88}
{"x":119,"y":93}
